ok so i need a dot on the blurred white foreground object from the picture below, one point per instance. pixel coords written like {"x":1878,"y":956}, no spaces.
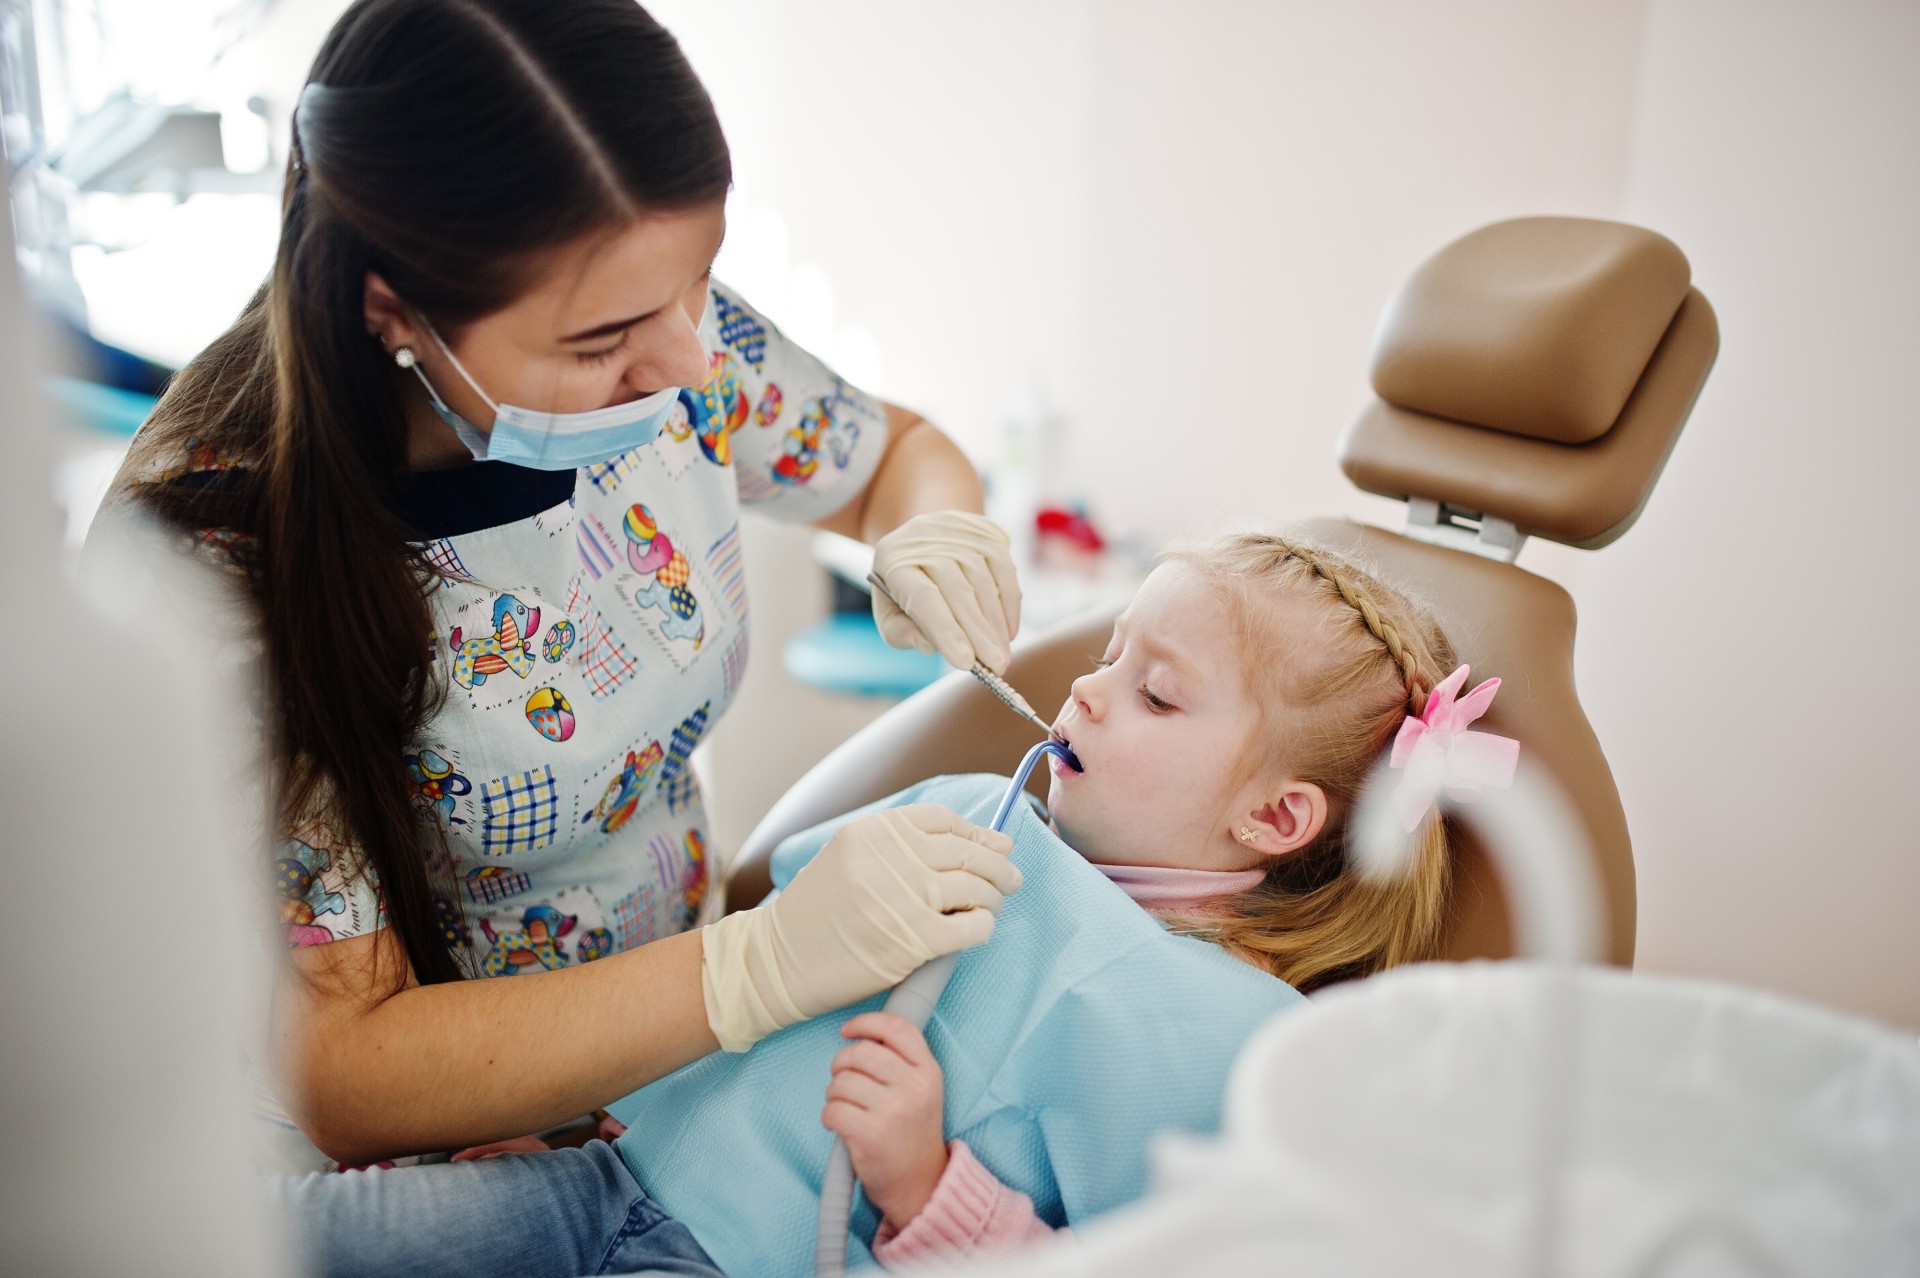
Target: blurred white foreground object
{"x":121,"y":819}
{"x":1535,"y":843}
{"x":1713,"y":1131}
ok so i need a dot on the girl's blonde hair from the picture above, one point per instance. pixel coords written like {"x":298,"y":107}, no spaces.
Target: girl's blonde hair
{"x":1329,"y":707}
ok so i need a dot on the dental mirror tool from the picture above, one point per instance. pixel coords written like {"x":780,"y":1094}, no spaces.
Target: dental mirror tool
{"x":997,"y":685}
{"x":912,"y":1000}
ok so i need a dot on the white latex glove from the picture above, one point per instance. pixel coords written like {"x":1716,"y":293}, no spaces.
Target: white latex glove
{"x":889,"y":891}
{"x":953,"y":572}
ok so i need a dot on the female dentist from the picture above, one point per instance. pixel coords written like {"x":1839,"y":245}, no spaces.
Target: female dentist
{"x":478,"y":449}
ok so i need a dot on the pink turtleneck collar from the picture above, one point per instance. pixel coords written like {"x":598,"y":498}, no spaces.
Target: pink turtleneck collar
{"x":1164,"y":890}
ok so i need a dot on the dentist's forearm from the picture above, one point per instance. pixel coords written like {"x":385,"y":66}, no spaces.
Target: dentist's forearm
{"x":920,"y":471}
{"x":445,"y":1066}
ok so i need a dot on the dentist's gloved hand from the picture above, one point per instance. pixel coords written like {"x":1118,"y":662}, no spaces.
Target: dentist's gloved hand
{"x":889,"y":891}
{"x":953,"y":573}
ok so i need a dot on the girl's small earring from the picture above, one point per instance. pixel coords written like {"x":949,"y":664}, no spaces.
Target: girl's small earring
{"x":1246,"y":835}
{"x":404,"y":357}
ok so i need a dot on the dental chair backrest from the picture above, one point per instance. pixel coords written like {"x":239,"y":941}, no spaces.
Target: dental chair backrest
{"x":1531,"y":379}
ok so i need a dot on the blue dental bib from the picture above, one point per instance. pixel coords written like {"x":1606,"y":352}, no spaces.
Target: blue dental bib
{"x":1068,"y":1040}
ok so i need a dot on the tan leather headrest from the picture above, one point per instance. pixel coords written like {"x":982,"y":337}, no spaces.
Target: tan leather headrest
{"x":1537,"y":370}
{"x":1539,"y":326}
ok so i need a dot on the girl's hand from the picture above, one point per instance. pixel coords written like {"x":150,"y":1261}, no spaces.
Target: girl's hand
{"x":885,"y":1101}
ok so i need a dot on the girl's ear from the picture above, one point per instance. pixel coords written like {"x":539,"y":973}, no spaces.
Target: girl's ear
{"x":1291,"y":821}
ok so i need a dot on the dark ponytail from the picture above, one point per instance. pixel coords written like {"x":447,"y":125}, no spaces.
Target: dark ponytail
{"x":444,"y":144}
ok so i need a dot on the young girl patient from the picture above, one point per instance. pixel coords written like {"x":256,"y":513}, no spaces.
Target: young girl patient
{"x":1243,"y":698}
{"x":1242,"y":701}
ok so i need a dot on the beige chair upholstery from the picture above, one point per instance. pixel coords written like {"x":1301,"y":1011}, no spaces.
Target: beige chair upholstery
{"x":1536,"y":372}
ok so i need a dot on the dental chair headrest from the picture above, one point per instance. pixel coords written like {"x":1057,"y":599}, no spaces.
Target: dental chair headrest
{"x":1537,"y":371}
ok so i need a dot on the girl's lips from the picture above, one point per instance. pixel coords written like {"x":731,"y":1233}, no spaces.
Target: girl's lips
{"x":1060,"y":768}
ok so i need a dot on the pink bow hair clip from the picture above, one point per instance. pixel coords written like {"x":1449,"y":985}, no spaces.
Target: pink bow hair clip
{"x":1438,"y":753}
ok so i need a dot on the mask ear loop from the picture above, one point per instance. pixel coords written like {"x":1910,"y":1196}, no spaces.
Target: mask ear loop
{"x":472,"y":436}
{"x":458,"y":367}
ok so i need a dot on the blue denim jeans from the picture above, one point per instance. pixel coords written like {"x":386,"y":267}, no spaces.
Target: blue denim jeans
{"x":564,"y":1213}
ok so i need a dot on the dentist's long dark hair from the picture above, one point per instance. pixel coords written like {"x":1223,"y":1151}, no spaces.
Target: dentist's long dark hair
{"x":444,"y":144}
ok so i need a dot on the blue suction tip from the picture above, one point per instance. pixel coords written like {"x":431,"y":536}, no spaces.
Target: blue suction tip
{"x":1053,"y":746}
{"x":1067,"y":756}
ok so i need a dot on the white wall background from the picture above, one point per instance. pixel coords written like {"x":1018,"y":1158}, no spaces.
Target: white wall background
{"x":1180,"y":222}
{"x":1758,"y":730}
{"x":1262,"y":176}
{"x":928,"y":159}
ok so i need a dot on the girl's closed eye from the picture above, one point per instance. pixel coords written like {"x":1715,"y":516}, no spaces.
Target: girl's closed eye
{"x":1154,"y":703}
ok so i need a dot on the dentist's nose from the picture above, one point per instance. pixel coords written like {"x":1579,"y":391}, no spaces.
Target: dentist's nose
{"x":678,"y":359}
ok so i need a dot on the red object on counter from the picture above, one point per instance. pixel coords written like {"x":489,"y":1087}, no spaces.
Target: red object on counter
{"x":1071,"y":524}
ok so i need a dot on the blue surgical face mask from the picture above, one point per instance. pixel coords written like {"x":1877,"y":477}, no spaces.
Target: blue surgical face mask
{"x":553,"y":441}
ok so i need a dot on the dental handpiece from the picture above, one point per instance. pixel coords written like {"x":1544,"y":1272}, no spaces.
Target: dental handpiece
{"x":996,"y":684}
{"x":912,"y":1000}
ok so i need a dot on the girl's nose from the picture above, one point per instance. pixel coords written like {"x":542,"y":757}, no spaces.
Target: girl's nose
{"x":1087,"y":697}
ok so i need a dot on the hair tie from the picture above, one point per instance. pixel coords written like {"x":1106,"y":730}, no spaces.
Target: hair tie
{"x":1437,"y":752}
{"x":303,"y":107}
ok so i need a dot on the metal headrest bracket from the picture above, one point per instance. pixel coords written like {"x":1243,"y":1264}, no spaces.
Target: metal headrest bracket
{"x":1488,"y":536}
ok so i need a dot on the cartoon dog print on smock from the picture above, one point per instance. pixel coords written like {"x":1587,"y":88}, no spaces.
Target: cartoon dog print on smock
{"x":587,"y":649}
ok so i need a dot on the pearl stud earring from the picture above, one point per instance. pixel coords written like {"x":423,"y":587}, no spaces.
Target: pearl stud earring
{"x":404,"y":357}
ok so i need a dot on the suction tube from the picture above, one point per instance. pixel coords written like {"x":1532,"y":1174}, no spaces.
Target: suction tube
{"x":912,"y":1000}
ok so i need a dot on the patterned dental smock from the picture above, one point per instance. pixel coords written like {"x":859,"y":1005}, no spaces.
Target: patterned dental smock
{"x":590,"y":627}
